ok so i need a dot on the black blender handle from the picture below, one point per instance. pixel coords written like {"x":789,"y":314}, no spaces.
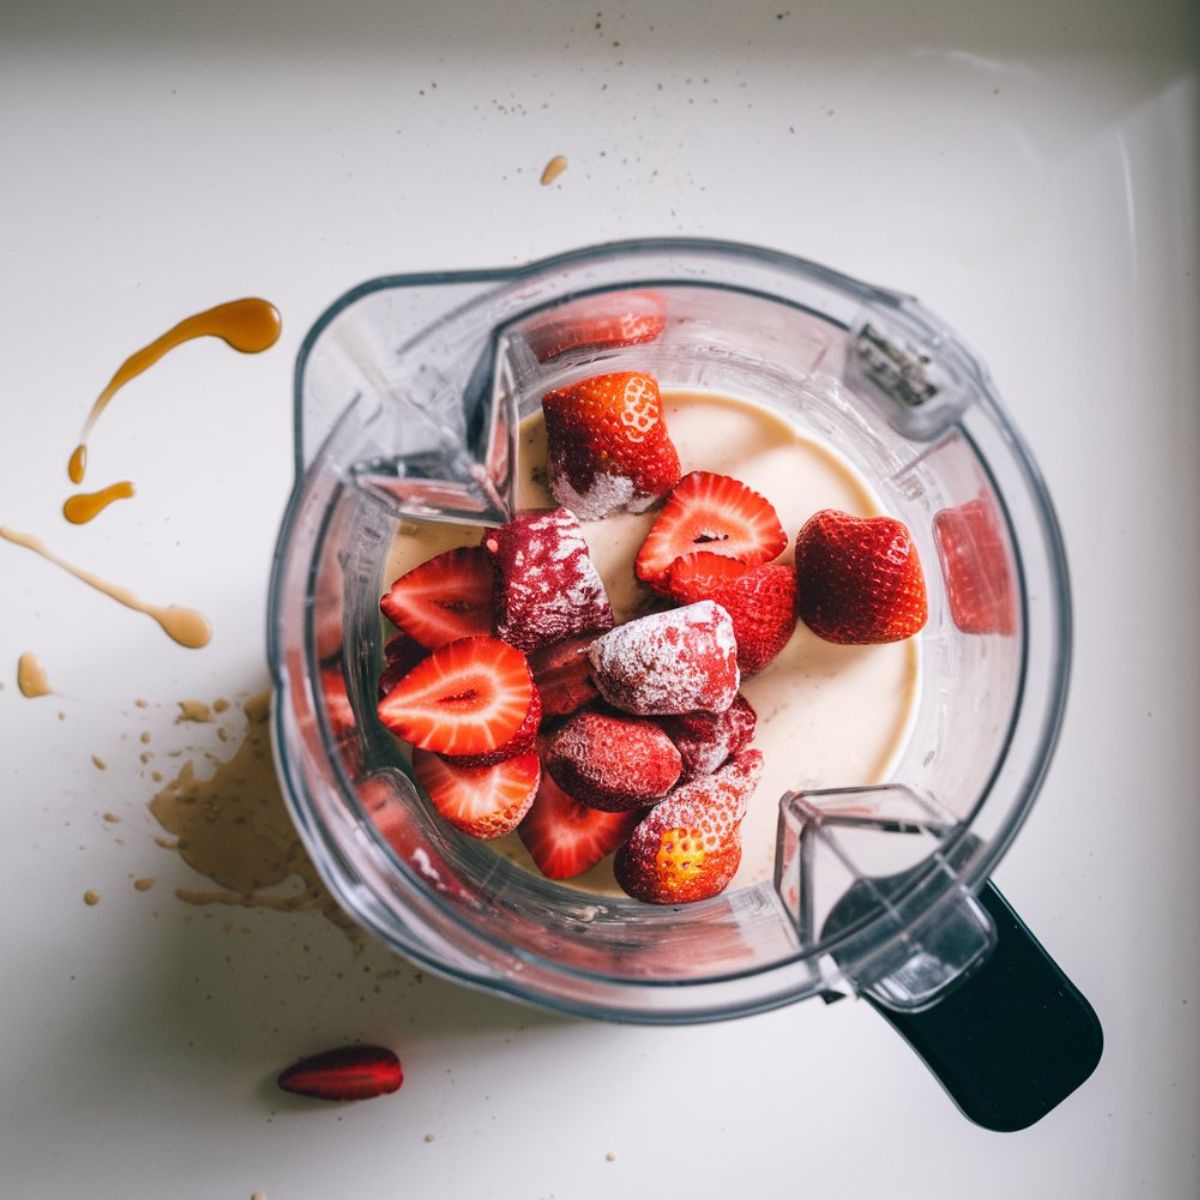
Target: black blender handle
{"x":1014,"y":1038}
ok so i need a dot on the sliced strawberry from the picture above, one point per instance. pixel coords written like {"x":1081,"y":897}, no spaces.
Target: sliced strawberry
{"x":858,"y":579}
{"x":689,"y":846}
{"x":545,"y":585}
{"x":705,"y":740}
{"x":601,"y":322}
{"x":613,"y":763}
{"x":979,"y":582}
{"x":401,"y":653}
{"x":710,"y":512}
{"x":349,"y":1073}
{"x":447,"y":598}
{"x":565,"y":838}
{"x":607,"y":446}
{"x":482,"y":802}
{"x":761,"y":601}
{"x":563,"y":676}
{"x":669,"y":662}
{"x":467,"y":697}
{"x":520,"y":743}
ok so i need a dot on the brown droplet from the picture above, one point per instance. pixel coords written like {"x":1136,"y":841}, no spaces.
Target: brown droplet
{"x":142,"y":703}
{"x":111,"y":817}
{"x":145,"y":884}
{"x":85,"y":506}
{"x":144,"y":737}
{"x":91,"y":898}
{"x":31,"y":677}
{"x":220,"y":704}
{"x":99,"y":763}
{"x":553,"y":169}
{"x":194,"y":710}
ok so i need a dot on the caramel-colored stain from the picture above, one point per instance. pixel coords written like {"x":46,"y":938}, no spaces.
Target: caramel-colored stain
{"x":32,"y":680}
{"x":99,"y":763}
{"x":91,"y":898}
{"x":144,"y":884}
{"x":194,"y":710}
{"x":234,"y":829}
{"x":183,"y":625}
{"x":553,"y":169}
{"x":84,"y":507}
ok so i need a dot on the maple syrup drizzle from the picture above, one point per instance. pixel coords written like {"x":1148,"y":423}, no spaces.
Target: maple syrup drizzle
{"x":85,"y":506}
{"x":249,"y":326}
{"x":183,"y":625}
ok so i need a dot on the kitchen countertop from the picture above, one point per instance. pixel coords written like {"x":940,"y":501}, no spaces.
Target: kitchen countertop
{"x":1029,"y":171}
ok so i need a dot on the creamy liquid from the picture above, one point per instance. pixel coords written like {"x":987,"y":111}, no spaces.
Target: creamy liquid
{"x":828,"y":716}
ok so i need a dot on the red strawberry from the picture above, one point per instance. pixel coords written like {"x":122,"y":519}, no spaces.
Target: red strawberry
{"x":447,"y":598}
{"x":350,"y":1073}
{"x":975,"y":565}
{"x":607,"y":445}
{"x":563,"y":676}
{"x":705,"y":740}
{"x":761,"y":601}
{"x":482,"y":802}
{"x":545,"y":586}
{"x":710,"y":512}
{"x":400,"y":654}
{"x":566,"y":838}
{"x":468,"y":697}
{"x":669,"y":662}
{"x":521,"y":742}
{"x":859,"y":579}
{"x":689,"y":846}
{"x":613,"y":763}
{"x":600,"y":322}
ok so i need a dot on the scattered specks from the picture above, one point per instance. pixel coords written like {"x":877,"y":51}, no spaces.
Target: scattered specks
{"x":91,"y":898}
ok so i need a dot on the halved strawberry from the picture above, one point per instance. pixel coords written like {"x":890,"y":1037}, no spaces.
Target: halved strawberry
{"x":401,"y":653}
{"x":689,"y":846}
{"x":601,"y":322}
{"x":482,"y":802}
{"x":565,"y":838}
{"x":761,"y":601}
{"x":563,"y":676}
{"x":520,"y":742}
{"x":607,"y":446}
{"x":468,"y":697}
{"x":348,"y":1073}
{"x":710,"y":512}
{"x":447,"y":598}
{"x":858,"y":579}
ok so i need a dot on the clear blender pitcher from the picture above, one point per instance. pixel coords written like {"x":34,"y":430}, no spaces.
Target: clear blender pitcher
{"x":409,"y":391}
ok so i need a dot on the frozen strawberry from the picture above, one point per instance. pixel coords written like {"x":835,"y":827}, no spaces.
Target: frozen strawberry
{"x":761,"y":601}
{"x":400,"y":655}
{"x":545,"y":587}
{"x":563,"y":676}
{"x":565,"y":838}
{"x":350,"y":1073}
{"x":447,"y":598}
{"x":482,"y":802}
{"x":975,"y":565}
{"x":468,"y":697}
{"x":689,"y":846}
{"x":613,"y":763}
{"x":607,"y":445}
{"x":602,"y":322}
{"x":710,"y":512}
{"x":705,"y":740}
{"x":858,"y":579}
{"x":669,"y":662}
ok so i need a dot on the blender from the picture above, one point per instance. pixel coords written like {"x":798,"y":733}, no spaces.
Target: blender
{"x":409,"y":392}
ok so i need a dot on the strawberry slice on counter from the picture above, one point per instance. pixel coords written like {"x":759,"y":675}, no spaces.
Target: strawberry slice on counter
{"x":716,"y":513}
{"x":565,"y":838}
{"x":761,"y":601}
{"x":859,"y":579}
{"x":482,"y":802}
{"x":400,"y":654}
{"x":979,"y":582}
{"x":545,"y":587}
{"x":669,"y":662}
{"x":469,"y":697}
{"x":447,"y":598}
{"x":689,"y":847}
{"x":616,"y":764}
{"x":706,"y":740}
{"x":348,"y":1073}
{"x":602,"y":322}
{"x":563,"y":676}
{"x":607,"y":445}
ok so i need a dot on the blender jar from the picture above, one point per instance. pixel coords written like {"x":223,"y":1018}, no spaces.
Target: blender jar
{"x":409,"y":391}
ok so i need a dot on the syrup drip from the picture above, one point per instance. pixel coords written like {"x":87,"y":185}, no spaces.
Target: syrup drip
{"x":31,"y":677}
{"x":183,"y":625}
{"x":82,"y":508}
{"x":249,"y":326}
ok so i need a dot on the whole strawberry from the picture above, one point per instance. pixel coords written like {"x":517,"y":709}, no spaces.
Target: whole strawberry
{"x":705,"y":740}
{"x":858,"y":579}
{"x":607,"y":446}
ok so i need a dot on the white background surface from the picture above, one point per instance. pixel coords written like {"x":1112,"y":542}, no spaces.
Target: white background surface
{"x":1029,"y":171}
